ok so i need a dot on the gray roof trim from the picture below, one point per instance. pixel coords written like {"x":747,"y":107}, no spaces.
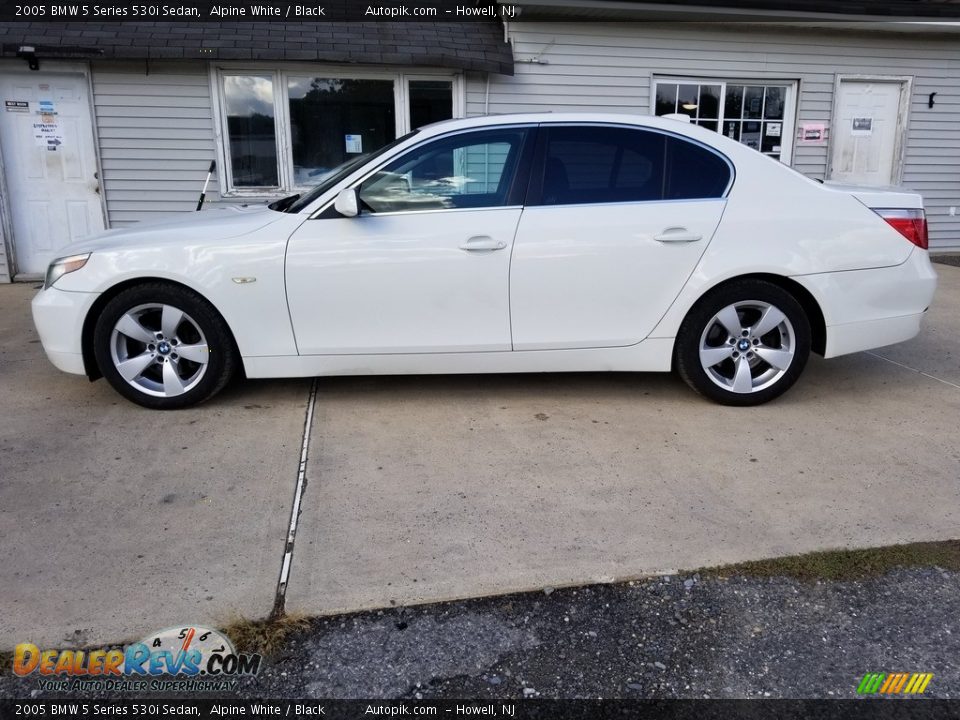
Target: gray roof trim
{"x":477,"y":46}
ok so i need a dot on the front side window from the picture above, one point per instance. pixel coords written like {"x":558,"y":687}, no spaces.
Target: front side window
{"x":598,"y":164}
{"x":287,"y":131}
{"x":470,"y":170}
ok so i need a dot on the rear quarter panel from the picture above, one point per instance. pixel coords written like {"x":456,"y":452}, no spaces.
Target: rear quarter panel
{"x":781,"y":223}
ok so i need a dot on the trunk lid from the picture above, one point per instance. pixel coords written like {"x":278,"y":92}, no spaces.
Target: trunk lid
{"x":880,"y":197}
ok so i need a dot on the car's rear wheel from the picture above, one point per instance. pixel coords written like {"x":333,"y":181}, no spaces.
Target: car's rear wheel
{"x":744,"y":343}
{"x":163,"y":346}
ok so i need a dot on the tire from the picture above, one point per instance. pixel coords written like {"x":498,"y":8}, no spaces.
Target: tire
{"x":163,"y":346}
{"x":759,"y":336}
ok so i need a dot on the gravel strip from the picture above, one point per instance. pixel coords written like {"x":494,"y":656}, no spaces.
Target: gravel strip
{"x":669,"y":637}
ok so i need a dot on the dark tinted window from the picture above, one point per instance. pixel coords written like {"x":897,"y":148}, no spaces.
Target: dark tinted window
{"x":607,"y":164}
{"x":694,"y":172}
{"x":602,"y":164}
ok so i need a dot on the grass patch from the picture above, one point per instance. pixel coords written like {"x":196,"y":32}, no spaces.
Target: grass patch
{"x":264,"y":636}
{"x":848,"y":564}
{"x":6,"y":663}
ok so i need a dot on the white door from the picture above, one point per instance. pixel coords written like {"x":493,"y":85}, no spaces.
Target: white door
{"x":866,"y":135}
{"x":425,"y":267}
{"x":611,"y":235}
{"x":50,"y":164}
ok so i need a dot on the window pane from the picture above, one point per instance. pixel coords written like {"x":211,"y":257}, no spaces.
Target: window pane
{"x":599,"y":164}
{"x":753,"y":103}
{"x":773,"y":105}
{"x":733,"y":108}
{"x":709,"y":102}
{"x":463,"y":171}
{"x":688,"y":99}
{"x":694,"y":172}
{"x":750,"y":135}
{"x":430,"y":102}
{"x":333,"y":120}
{"x":666,"y":99}
{"x":251,"y":130}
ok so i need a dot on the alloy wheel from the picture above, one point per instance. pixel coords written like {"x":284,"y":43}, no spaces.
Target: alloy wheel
{"x":159,"y":349}
{"x":747,"y":346}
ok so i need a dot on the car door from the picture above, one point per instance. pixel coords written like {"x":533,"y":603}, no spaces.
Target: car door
{"x":425,"y":265}
{"x":616,"y":220}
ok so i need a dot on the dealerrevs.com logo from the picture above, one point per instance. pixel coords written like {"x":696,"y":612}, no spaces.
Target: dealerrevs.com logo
{"x":183,"y":658}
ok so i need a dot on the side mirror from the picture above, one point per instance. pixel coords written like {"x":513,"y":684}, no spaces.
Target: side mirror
{"x":348,"y":203}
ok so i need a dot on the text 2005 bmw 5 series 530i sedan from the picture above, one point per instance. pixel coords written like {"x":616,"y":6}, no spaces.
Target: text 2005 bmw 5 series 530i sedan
{"x":524,"y":243}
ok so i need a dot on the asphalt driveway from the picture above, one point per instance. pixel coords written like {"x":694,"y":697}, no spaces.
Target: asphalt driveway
{"x":118,"y":521}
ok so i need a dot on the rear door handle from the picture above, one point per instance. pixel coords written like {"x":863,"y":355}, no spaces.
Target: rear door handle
{"x":677,"y":234}
{"x":482,"y":242}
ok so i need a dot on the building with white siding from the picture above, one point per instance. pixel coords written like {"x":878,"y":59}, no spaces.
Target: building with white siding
{"x":119,"y":122}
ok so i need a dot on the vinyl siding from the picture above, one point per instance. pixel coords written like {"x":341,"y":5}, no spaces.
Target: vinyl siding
{"x":156,"y":138}
{"x":609,"y":67}
{"x":4,"y":269}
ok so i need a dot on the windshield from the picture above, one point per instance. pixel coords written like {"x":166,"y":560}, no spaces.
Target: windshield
{"x":338,"y":174}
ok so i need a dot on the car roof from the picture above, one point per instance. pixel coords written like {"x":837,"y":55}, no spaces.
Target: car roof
{"x":494,"y":120}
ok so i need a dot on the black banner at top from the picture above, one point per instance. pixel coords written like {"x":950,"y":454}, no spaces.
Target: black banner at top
{"x":254,"y":10}
{"x":468,"y":10}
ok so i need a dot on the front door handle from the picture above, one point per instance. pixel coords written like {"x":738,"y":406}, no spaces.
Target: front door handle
{"x":677,"y":234}
{"x":482,"y":242}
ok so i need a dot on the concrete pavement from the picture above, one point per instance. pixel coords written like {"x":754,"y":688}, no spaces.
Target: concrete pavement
{"x":117,"y":521}
{"x":432,"y":488}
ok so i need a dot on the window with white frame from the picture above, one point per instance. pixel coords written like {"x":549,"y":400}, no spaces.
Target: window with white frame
{"x":758,"y":114}
{"x":287,"y":129}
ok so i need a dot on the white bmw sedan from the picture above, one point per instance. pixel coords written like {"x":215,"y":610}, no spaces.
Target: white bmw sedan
{"x":524,"y":243}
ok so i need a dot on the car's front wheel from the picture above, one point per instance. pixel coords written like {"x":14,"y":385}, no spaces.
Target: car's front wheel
{"x":163,"y":346}
{"x":744,"y":343}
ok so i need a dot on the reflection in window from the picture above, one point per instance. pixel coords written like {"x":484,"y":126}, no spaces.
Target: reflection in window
{"x":430,"y":101}
{"x":333,"y":120}
{"x":750,"y":114}
{"x":700,"y":102}
{"x":463,"y":171}
{"x":250,"y":128}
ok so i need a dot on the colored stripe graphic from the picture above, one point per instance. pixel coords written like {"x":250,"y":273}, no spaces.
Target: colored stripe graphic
{"x":870,"y":683}
{"x":894,"y":683}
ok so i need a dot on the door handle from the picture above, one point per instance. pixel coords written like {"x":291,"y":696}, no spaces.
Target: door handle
{"x":482,"y":242}
{"x":677,"y":234}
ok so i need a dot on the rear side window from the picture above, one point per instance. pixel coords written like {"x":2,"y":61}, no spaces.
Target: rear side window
{"x":693,"y":172}
{"x":602,"y":164}
{"x":597,"y":164}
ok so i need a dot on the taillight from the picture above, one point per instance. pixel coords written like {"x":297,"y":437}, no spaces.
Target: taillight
{"x":911,"y":223}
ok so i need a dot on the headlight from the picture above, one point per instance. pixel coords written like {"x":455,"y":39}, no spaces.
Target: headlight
{"x":61,"y":266}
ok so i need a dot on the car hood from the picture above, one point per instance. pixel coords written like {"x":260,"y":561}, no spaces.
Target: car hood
{"x":208,"y":225}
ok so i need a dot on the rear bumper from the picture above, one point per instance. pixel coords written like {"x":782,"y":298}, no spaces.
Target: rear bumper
{"x":58,"y":317}
{"x":866,"y":309}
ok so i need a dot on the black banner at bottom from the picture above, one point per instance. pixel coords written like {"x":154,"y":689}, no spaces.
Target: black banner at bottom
{"x":865,"y":709}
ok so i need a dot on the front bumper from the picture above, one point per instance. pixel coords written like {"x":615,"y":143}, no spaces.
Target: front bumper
{"x":58,"y":317}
